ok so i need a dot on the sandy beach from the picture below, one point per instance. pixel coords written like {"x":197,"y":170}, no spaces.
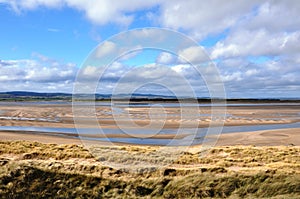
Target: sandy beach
{"x":279,"y":137}
{"x":58,"y":115}
{"x":61,"y":116}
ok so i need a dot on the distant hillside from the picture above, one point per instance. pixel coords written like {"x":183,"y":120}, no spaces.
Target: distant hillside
{"x":135,"y":97}
{"x":33,"y":94}
{"x":24,"y":95}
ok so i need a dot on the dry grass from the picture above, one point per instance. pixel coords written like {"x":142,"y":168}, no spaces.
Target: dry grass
{"x":247,"y":158}
{"x":30,"y":150}
{"x":35,"y":170}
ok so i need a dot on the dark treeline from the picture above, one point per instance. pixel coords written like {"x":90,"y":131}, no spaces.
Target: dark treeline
{"x":134,"y":98}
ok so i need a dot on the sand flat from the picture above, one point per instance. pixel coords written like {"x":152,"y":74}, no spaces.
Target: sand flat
{"x":61,"y":116}
{"x":262,"y":138}
{"x":257,"y":138}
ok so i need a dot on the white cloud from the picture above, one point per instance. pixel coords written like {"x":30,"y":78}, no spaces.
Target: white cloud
{"x":199,"y":18}
{"x":165,"y":58}
{"x":236,"y":76}
{"x":251,"y":72}
{"x":249,"y":28}
{"x":98,"y":12}
{"x":256,"y":43}
{"x":181,"y":68}
{"x":204,"y":17}
{"x":241,"y":78}
{"x":36,"y":75}
{"x":276,"y":16}
{"x":89,"y":70}
{"x":105,"y":48}
{"x":194,"y":54}
{"x":272,"y":29}
{"x":110,"y":50}
{"x":19,"y":5}
{"x":270,"y":78}
{"x":155,"y":79}
{"x":268,"y":31}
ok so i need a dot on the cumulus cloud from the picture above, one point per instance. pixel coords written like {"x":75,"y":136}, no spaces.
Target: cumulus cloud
{"x":98,"y":12}
{"x":89,"y":71}
{"x":271,"y":78}
{"x":269,"y":30}
{"x":193,"y":54}
{"x":243,"y":29}
{"x":257,"y":43}
{"x":275,"y":16}
{"x":204,"y":17}
{"x":38,"y":75}
{"x":149,"y":78}
{"x":106,"y":48}
{"x":115,"y":50}
{"x":199,"y":18}
{"x":18,"y":5}
{"x":165,"y":58}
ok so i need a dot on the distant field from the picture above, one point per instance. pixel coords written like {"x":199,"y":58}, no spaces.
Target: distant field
{"x":32,"y":169}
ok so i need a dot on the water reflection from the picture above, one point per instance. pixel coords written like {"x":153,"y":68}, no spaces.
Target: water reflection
{"x":196,"y":138}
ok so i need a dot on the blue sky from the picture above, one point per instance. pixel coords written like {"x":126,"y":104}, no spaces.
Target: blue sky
{"x":254,"y":44}
{"x":62,"y":34}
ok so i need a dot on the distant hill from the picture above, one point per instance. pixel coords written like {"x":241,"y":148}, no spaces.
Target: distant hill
{"x":33,"y":94}
{"x":24,"y":95}
{"x":136,"y":97}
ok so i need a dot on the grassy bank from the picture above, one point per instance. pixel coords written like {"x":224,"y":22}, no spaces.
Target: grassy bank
{"x":35,"y":170}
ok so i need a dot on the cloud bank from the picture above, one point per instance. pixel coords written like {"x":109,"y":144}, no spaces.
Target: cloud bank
{"x":256,"y":44}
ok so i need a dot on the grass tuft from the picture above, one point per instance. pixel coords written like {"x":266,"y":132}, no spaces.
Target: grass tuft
{"x":35,"y":170}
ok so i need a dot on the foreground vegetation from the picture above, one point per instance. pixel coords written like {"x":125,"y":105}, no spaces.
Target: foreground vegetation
{"x":35,"y":170}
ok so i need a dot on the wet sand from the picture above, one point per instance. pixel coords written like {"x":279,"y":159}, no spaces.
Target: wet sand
{"x":262,"y":138}
{"x":13,"y":136}
{"x":61,"y":115}
{"x":258,"y":138}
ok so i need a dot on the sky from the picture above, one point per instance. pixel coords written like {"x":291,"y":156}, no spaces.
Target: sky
{"x":44,"y":44}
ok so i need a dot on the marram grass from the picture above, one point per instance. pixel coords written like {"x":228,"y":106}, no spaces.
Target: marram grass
{"x":35,"y":170}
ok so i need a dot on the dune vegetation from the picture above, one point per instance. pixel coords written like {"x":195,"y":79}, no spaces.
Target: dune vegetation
{"x":36,"y":170}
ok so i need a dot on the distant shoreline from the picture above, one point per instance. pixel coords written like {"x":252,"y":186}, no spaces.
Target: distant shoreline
{"x":143,"y":100}
{"x":135,"y":97}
